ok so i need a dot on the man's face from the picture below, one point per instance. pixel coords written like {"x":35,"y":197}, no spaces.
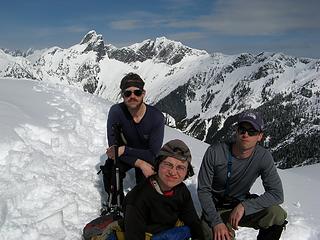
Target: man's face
{"x":133,"y":97}
{"x":172,"y":172}
{"x":247,"y":136}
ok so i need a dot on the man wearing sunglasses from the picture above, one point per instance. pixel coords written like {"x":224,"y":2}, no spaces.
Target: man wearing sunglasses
{"x":227,"y":173}
{"x":142,"y":129}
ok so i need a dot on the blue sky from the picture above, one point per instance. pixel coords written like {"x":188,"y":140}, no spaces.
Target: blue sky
{"x":227,"y":26}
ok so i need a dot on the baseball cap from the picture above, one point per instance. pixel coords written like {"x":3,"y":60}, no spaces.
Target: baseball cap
{"x":253,"y":118}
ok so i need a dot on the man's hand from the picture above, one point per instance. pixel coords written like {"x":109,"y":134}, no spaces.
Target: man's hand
{"x":236,"y":215}
{"x":146,"y":168}
{"x":111,"y":151}
{"x":221,"y":232}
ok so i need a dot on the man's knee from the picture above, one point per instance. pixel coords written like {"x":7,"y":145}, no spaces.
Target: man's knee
{"x":274,"y":215}
{"x":207,"y":230}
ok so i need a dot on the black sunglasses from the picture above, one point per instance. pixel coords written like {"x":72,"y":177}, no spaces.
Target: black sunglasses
{"x":251,"y":132}
{"x":137,"y":92}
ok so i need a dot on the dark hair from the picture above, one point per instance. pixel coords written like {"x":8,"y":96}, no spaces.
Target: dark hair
{"x":160,"y":158}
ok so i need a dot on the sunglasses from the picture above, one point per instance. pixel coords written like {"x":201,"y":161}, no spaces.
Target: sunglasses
{"x":251,"y":132}
{"x":137,"y":92}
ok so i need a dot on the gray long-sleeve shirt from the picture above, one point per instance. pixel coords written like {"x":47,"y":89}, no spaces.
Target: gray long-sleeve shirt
{"x":213,"y":175}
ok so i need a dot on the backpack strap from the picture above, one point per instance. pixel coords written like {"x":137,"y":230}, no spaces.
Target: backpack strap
{"x":229,"y":169}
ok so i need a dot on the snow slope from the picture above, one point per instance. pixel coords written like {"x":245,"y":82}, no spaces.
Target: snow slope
{"x":52,"y":143}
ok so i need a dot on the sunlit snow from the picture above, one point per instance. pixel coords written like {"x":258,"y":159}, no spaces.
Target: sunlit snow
{"x":52,"y":141}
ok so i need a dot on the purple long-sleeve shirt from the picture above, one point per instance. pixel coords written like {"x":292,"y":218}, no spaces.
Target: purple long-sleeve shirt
{"x":144,"y":139}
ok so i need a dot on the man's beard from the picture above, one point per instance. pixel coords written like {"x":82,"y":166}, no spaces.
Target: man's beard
{"x":135,"y":107}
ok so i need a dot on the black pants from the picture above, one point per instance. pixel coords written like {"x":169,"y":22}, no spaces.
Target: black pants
{"x":109,"y":179}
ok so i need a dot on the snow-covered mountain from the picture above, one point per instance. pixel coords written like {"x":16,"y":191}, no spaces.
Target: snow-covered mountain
{"x":200,"y":93}
{"x":15,"y":66}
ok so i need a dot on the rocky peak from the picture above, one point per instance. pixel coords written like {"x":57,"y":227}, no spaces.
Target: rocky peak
{"x":95,"y":43}
{"x":160,"y":50}
{"x":90,"y":37}
{"x":172,"y":52}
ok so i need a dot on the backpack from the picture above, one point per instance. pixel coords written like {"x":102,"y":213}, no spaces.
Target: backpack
{"x":107,"y":227}
{"x":95,"y":230}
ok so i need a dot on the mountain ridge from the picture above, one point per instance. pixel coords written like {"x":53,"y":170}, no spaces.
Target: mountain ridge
{"x":201,"y":93}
